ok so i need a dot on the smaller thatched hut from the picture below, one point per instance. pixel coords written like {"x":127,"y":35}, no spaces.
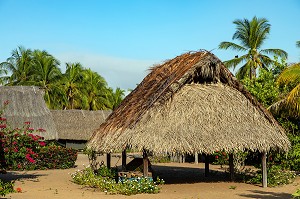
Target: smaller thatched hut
{"x":27,"y":104}
{"x":75,"y":127}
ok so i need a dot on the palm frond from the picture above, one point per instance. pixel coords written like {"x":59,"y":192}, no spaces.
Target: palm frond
{"x":278,"y":52}
{"x":298,"y":44}
{"x":290,"y":75}
{"x":234,"y":62}
{"x":230,"y":45}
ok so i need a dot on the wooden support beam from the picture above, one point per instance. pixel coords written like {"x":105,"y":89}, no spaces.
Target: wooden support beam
{"x":196,"y":158}
{"x":206,"y":165}
{"x":264,"y":170}
{"x":183,"y":158}
{"x":231,"y":167}
{"x":108,"y":160}
{"x":124,"y":156}
{"x":145,"y":164}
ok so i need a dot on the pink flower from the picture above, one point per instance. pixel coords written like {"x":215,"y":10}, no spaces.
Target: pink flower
{"x":42,"y":143}
{"x":14,"y":143}
{"x":15,"y":150}
{"x":29,"y":158}
{"x":41,"y":130}
{"x":217,"y":157}
{"x":27,"y":122}
{"x":30,"y":129}
{"x":2,"y":126}
{"x":2,"y":119}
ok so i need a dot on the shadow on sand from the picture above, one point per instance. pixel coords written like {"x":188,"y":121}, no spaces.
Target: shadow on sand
{"x":266,"y":195}
{"x":13,"y":176}
{"x":182,"y":175}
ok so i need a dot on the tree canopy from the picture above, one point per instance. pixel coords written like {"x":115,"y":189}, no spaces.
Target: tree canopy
{"x":77,"y":88}
{"x":251,"y":35}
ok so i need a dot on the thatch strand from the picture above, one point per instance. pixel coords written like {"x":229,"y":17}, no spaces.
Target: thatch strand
{"x":189,"y":104}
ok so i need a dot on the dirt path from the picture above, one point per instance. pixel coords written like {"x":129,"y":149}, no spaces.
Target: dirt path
{"x":187,"y":179}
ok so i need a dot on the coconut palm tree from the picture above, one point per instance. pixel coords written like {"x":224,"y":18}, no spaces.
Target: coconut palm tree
{"x":290,"y":77}
{"x":73,"y":82}
{"x":95,"y":90}
{"x":19,"y":64}
{"x":115,"y":97}
{"x":47,"y":75}
{"x":3,"y":74}
{"x":252,"y":35}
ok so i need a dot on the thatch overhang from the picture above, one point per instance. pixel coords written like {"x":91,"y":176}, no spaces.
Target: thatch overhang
{"x":78,"y":124}
{"x":190,"y":104}
{"x":27,"y":104}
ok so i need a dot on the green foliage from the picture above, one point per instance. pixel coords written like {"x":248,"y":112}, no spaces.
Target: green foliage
{"x":77,"y":88}
{"x":106,"y":184}
{"x":106,"y":172}
{"x":220,"y":158}
{"x":56,"y":157}
{"x":6,"y":188}
{"x":276,"y":176}
{"x":264,"y":87}
{"x":252,"y":35}
{"x":296,"y":195}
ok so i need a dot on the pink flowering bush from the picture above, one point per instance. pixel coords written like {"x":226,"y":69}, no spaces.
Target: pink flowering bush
{"x":24,"y":150}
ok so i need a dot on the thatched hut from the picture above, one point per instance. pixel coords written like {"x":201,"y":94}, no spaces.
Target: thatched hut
{"x":75,"y":127}
{"x":27,"y":104}
{"x":190,"y":104}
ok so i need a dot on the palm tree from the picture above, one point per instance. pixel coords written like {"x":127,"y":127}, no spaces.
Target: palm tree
{"x":95,"y":88}
{"x":19,"y":64}
{"x":73,"y":82}
{"x":252,"y":35}
{"x":298,"y":44}
{"x":47,"y":75}
{"x":116,"y":97}
{"x":290,"y":77}
{"x":3,"y":74}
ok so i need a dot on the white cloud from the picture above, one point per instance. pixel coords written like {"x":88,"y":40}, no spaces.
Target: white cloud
{"x":118,"y":72}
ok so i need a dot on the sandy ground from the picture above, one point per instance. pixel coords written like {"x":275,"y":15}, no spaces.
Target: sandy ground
{"x":183,"y":180}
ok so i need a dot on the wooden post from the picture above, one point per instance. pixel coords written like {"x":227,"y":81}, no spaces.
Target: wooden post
{"x":183,"y":158}
{"x":108,"y":160}
{"x":124,"y":156}
{"x":196,"y":158}
{"x":231,"y":167}
{"x":206,"y":165}
{"x":264,"y":170}
{"x":145,"y":164}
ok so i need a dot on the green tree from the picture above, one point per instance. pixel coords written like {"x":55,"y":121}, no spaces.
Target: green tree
{"x":290,"y":78}
{"x":19,"y":64}
{"x":95,"y":90}
{"x":264,"y":87}
{"x":252,"y":35}
{"x":298,"y":44}
{"x":115,"y":97}
{"x":47,"y":75}
{"x":73,"y":82}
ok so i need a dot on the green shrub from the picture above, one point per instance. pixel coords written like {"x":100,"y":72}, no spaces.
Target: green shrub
{"x":276,"y":176}
{"x":296,"y":195}
{"x":24,"y":150}
{"x":6,"y":188}
{"x":87,"y":177}
{"x":56,"y":157}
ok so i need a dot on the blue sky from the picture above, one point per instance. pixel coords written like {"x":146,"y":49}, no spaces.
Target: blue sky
{"x":121,"y":39}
